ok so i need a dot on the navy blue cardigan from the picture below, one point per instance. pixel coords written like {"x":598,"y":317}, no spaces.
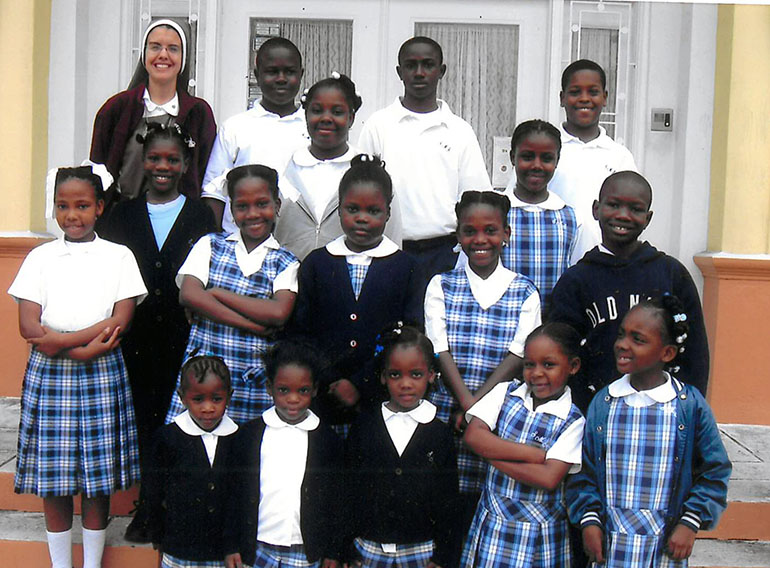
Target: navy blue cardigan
{"x":328,"y":315}
{"x":321,"y":502}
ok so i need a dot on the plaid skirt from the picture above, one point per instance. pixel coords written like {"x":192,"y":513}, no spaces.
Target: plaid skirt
{"x":272,"y":556}
{"x":416,"y":555}
{"x":77,"y":432}
{"x":169,"y":561}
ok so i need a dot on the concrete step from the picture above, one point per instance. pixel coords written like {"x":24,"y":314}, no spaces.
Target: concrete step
{"x":730,"y":554}
{"x":23,"y":544}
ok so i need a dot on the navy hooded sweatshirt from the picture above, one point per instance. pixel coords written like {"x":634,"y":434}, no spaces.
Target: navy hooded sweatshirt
{"x":595,"y":294}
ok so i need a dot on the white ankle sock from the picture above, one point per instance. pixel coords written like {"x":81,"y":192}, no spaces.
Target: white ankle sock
{"x":60,"y":548}
{"x":93,"y":547}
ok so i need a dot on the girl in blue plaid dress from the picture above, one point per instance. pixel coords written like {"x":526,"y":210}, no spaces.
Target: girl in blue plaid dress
{"x":77,"y":433}
{"x":531,"y":435}
{"x":544,"y":229}
{"x":477,"y":317}
{"x":241,"y":290}
{"x":655,"y":470}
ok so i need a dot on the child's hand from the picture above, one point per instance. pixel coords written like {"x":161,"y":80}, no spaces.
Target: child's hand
{"x":49,"y":343}
{"x":345,"y":392}
{"x":432,"y":565}
{"x":234,"y":560}
{"x":458,"y":421}
{"x":99,"y":345}
{"x":330,"y":563}
{"x":680,"y":542}
{"x":593,"y":540}
{"x":353,"y":564}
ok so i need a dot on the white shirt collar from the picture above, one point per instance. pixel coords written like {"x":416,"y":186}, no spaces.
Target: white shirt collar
{"x":622,"y":388}
{"x":304,"y":158}
{"x":560,"y":407}
{"x":271,"y":418}
{"x":261,"y":111}
{"x":552,"y":203}
{"x":65,"y":247}
{"x":251,"y":262}
{"x":338,"y":248}
{"x":601,"y":141}
{"x":438,"y":116}
{"x":423,"y":413}
{"x":188,"y":426}
{"x":605,"y":250}
{"x":488,"y":292}
{"x":171,"y":107}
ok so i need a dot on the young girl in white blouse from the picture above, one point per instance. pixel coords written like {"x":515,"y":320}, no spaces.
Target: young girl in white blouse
{"x":77,"y":433}
{"x":478,"y":317}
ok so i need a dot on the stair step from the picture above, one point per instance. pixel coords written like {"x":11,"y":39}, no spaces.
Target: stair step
{"x":23,"y":543}
{"x":730,"y":554}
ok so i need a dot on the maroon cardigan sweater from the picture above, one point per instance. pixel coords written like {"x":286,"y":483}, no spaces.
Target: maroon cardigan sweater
{"x":118,"y":118}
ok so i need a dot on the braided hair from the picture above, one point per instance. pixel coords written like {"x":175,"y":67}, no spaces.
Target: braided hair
{"x":402,"y":334}
{"x":198,"y":367}
{"x":365,"y":168}
{"x":674,"y":326}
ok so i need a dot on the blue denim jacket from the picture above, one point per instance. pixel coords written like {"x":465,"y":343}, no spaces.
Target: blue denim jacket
{"x":701,"y":469}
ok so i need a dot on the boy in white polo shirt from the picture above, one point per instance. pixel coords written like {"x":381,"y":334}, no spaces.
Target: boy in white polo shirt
{"x":268,"y":133}
{"x":431,"y":154}
{"x":588,"y":156}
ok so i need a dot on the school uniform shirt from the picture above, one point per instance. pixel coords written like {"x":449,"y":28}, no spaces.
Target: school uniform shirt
{"x":478,"y":322}
{"x":595,"y":294}
{"x":283,"y":456}
{"x":542,"y":243}
{"x":309,"y":216}
{"x":78,"y":284}
{"x":320,"y":493}
{"x":514,"y":519}
{"x":343,"y":324}
{"x":695,"y":473}
{"x":408,"y":497}
{"x":433,"y":158}
{"x":256,"y":136}
{"x":117,"y":120}
{"x":185,"y":482}
{"x":583,"y":167}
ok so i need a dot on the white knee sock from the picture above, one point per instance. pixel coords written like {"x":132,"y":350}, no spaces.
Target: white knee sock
{"x":93,"y":547}
{"x":60,"y":548}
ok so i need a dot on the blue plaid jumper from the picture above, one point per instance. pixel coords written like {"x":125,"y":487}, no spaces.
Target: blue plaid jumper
{"x":516,"y":524}
{"x":77,"y":431}
{"x":540,"y":246}
{"x":641,"y":445}
{"x":272,"y":556}
{"x":357,"y":274}
{"x":241,"y":351}
{"x":478,"y":341}
{"x":168,"y":561}
{"x":416,"y":555}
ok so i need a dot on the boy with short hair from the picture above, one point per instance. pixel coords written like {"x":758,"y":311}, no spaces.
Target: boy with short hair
{"x":595,"y":294}
{"x":431,"y":154}
{"x":588,"y":155}
{"x":268,"y":133}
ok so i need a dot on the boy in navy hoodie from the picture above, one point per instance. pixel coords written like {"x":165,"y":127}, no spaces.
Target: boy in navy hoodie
{"x":595,"y":294}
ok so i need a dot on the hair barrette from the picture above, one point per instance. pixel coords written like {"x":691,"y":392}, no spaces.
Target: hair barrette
{"x":680,"y":318}
{"x":378,"y":349}
{"x":675,"y":369}
{"x":336,"y":75}
{"x":681,"y":338}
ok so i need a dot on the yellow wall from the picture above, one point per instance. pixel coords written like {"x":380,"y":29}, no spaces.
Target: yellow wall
{"x":739,"y":217}
{"x":24,"y":52}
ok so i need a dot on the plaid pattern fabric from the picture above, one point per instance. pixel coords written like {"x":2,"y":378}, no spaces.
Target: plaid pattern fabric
{"x":241,"y":351}
{"x":516,"y":524}
{"x":168,"y":561}
{"x":540,"y":246}
{"x":406,"y":556}
{"x":641,"y":445}
{"x":77,"y":431}
{"x":357,"y":276}
{"x":272,"y":556}
{"x":478,"y":340}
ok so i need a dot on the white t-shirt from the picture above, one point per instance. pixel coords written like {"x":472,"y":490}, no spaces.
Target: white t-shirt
{"x":197,"y":262}
{"x":256,"y":136}
{"x":567,"y":448}
{"x":78,"y":284}
{"x":582,"y":168}
{"x":432,"y":157}
{"x":486,"y":293}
